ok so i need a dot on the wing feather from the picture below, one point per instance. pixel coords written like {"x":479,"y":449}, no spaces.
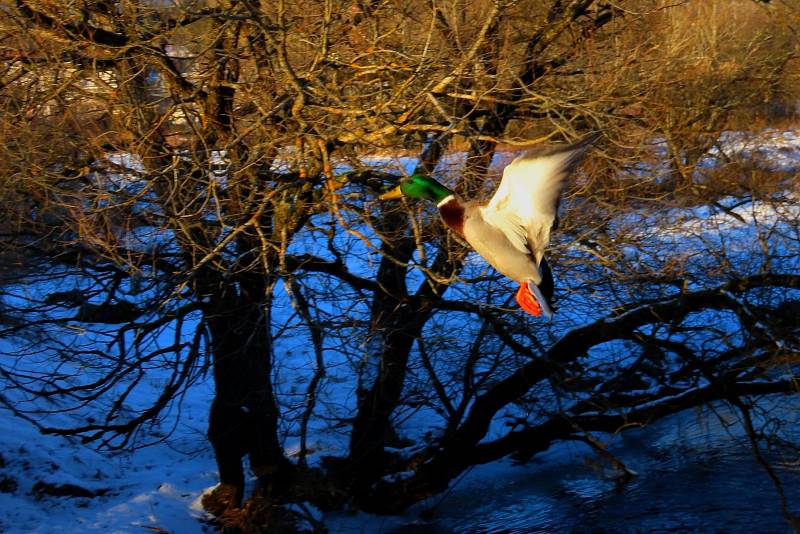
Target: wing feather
{"x":525,"y":205}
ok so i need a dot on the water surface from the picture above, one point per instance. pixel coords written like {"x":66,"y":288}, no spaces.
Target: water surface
{"x":696,"y":473}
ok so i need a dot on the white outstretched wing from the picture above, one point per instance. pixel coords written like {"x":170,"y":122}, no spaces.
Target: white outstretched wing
{"x":525,"y":204}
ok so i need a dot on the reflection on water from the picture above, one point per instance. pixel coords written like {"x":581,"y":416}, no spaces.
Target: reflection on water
{"x":695,"y":474}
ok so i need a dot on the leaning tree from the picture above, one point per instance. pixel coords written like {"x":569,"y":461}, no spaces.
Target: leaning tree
{"x":193,"y":186}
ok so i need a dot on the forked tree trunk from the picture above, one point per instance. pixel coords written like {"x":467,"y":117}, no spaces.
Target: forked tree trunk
{"x":244,"y":413}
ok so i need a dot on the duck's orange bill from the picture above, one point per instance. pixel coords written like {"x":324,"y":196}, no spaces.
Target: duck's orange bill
{"x":393,"y":194}
{"x":527,"y":301}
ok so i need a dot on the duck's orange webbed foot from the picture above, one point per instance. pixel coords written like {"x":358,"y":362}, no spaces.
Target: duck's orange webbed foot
{"x":527,"y":301}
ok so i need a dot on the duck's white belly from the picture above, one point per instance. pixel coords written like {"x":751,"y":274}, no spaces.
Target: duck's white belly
{"x":495,"y":248}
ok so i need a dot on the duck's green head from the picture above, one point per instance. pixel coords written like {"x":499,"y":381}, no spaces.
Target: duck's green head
{"x":418,"y":186}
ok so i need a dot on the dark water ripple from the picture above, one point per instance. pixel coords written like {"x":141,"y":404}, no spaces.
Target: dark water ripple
{"x":696,"y":474}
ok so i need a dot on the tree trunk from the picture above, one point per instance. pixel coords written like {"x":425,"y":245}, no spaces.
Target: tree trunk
{"x":372,"y":422}
{"x":244,"y":414}
{"x":389,"y":318}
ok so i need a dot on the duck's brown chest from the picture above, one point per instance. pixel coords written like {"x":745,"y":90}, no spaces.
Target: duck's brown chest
{"x":452,"y":213}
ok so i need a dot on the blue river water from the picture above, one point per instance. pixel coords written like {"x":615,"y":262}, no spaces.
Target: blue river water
{"x":696,"y":472}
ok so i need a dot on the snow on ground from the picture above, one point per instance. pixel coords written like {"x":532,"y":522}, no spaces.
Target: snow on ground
{"x":780,"y":150}
{"x":156,"y":487}
{"x":54,"y":484}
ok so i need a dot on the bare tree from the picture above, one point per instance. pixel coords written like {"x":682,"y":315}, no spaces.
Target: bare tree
{"x":192,"y":188}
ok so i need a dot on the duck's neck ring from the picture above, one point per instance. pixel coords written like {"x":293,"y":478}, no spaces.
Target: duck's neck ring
{"x":452,"y":212}
{"x":445,"y":200}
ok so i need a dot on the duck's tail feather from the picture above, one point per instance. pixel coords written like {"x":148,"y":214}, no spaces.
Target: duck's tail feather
{"x":547,"y":285}
{"x":544,"y":303}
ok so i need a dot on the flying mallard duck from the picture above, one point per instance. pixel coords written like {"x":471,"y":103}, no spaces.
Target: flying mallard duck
{"x":512,"y":229}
